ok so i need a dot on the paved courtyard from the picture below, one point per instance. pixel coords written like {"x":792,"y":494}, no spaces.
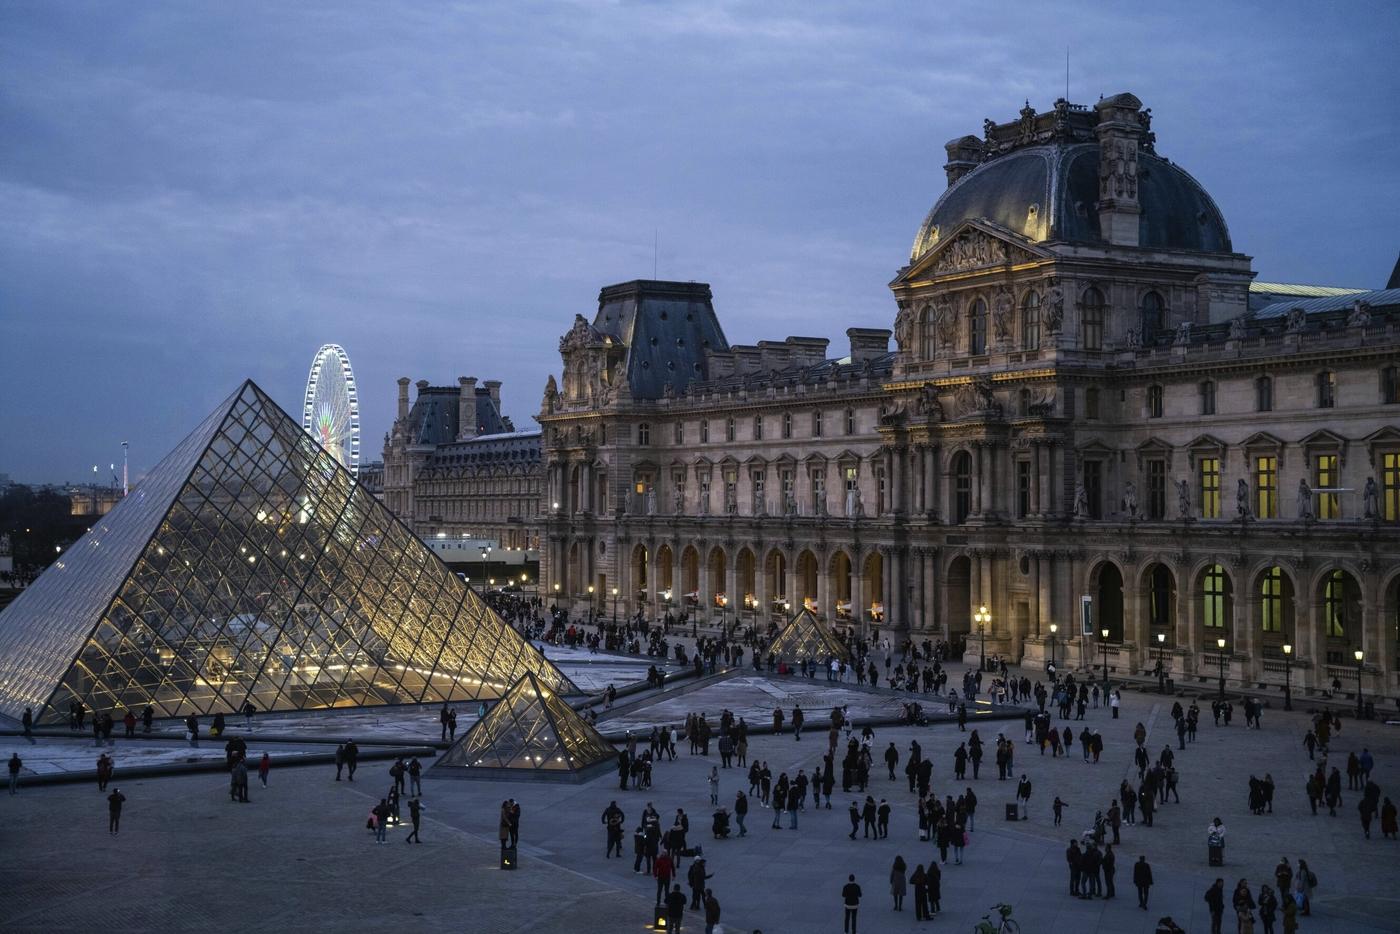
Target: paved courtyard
{"x":299,"y":853}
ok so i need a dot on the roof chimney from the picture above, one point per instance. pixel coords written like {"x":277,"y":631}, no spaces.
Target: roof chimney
{"x":1119,"y":131}
{"x":466,"y":408}
{"x":493,"y":389}
{"x":963,"y":155}
{"x":403,"y":397}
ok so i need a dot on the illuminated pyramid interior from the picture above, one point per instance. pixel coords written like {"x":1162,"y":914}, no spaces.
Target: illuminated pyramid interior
{"x":250,"y":566}
{"x":807,"y":637}
{"x":530,"y":733}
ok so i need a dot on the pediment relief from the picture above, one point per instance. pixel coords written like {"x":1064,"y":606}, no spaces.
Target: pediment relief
{"x":972,"y":247}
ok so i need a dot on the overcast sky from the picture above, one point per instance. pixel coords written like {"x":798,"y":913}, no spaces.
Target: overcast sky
{"x":195,"y":193}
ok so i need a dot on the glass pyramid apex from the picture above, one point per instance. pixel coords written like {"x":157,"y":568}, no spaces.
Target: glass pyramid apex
{"x":530,"y":732}
{"x":807,"y":637}
{"x":249,"y":565}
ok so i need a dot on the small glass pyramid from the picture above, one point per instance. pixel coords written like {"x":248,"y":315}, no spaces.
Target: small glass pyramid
{"x":531,"y":732}
{"x":807,"y":637}
{"x":250,"y":566}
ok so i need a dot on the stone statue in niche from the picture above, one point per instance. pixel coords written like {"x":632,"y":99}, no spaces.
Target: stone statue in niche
{"x":651,"y":502}
{"x":1133,"y":338}
{"x":1001,"y":318}
{"x":1183,"y":334}
{"x":854,"y":509}
{"x":1054,"y":314}
{"x":947,"y":325}
{"x":1242,"y":509}
{"x":789,"y":503}
{"x":1305,"y":499}
{"x":904,"y":328}
{"x":1297,"y":320}
{"x":1183,"y":499}
{"x":678,"y":503}
{"x":1360,"y":315}
{"x":1239,"y":327}
{"x":1044,"y":404}
{"x":1370,"y":500}
{"x":1081,"y":501}
{"x":1130,"y":499}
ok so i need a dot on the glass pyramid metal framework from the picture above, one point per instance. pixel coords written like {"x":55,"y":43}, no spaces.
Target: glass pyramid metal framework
{"x":250,"y":566}
{"x":530,"y":733}
{"x":807,"y":637}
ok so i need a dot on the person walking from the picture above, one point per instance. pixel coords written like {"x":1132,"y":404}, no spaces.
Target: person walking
{"x":1215,"y":901}
{"x":114,"y":811}
{"x":850,"y":899}
{"x":662,"y":867}
{"x":714,"y":785}
{"x":339,"y":760}
{"x":675,"y":909}
{"x":1142,"y":879}
{"x":919,"y":882}
{"x":27,"y":722}
{"x":741,"y":810}
{"x":415,"y":815}
{"x":711,"y":912}
{"x":1304,"y":882}
{"x":16,"y":763}
{"x":104,"y":771}
{"x":264,"y":766}
{"x":897,"y":882}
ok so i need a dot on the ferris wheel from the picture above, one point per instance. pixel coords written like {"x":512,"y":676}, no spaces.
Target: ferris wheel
{"x":331,"y":413}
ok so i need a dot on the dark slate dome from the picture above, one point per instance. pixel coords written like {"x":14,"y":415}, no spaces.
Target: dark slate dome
{"x":1050,"y":192}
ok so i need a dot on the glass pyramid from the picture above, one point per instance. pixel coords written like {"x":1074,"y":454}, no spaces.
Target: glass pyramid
{"x":531,"y":730}
{"x":250,"y":566}
{"x":807,"y":637}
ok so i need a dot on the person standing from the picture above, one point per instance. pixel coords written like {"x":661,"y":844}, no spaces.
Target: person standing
{"x":1109,"y":865}
{"x":264,"y":766}
{"x":16,"y":763}
{"x":1142,"y":879}
{"x":714,"y":786}
{"x":104,"y":771}
{"x":415,"y":777}
{"x":1268,"y":908}
{"x":741,"y":810}
{"x":711,"y":912}
{"x":662,"y":868}
{"x":1243,"y":903}
{"x":919,"y":881}
{"x":898,"y":884}
{"x":1215,"y":901}
{"x":675,"y":909}
{"x":352,"y":758}
{"x":1304,"y":882}
{"x":114,"y":811}
{"x":415,"y":815}
{"x":850,"y":898}
{"x":339,"y":760}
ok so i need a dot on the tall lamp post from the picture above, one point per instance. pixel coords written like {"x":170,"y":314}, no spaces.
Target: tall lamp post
{"x":1161,"y":663}
{"x":983,"y":618}
{"x":485,"y":554}
{"x":1220,"y":646}
{"x":590,"y":604}
{"x":1287,"y":676}
{"x":1359,"y":657}
{"x":1104,"y":644}
{"x":1054,"y":628}
{"x":614,"y":613}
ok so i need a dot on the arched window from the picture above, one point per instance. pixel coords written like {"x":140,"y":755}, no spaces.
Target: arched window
{"x":1153,"y":316}
{"x":1334,"y":604}
{"x":1030,"y":322}
{"x":962,"y":486}
{"x":1264,"y":394}
{"x":977,"y":328}
{"x":1091,"y":311}
{"x":1214,"y":598}
{"x":928,"y":334}
{"x":1160,"y":597}
{"x":1154,"y":401}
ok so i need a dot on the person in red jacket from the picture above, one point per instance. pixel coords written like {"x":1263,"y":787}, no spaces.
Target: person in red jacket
{"x":663,"y":869}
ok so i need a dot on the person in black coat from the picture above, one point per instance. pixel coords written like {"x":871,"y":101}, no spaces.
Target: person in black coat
{"x":1215,"y":900}
{"x":1142,"y":878}
{"x":675,"y":909}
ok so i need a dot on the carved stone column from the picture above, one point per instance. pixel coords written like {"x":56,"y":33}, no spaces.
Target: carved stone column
{"x":1044,"y":580}
{"x":826,"y":608}
{"x":1034,"y":622}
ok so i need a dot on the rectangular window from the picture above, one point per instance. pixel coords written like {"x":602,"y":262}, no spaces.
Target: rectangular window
{"x":882,"y":494}
{"x":758,"y":480}
{"x":1264,"y":394}
{"x":731,"y":491}
{"x":1208,"y":397}
{"x":1154,"y":401}
{"x":785,"y":477}
{"x":1329,"y":505}
{"x":1091,"y":403}
{"x":1213,"y":598}
{"x":1390,"y":487}
{"x":1210,"y":487}
{"x":1390,"y":385}
{"x":730,"y":432}
{"x":704,"y":480}
{"x":850,"y":421}
{"x":758,"y":427}
{"x":1271,"y":600}
{"x":679,"y":433}
{"x":1266,"y":487}
{"x":817,"y":424}
{"x":704,"y":431}
{"x":1156,"y":489}
{"x":1093,"y":488}
{"x":818,"y":492}
{"x":787,"y":425}
{"x":644,"y":433}
{"x":852,"y":478}
{"x":1023,"y":489}
{"x":1326,"y":389}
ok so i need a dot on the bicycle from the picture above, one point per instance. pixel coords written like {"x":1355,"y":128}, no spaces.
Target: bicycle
{"x":1004,"y":924}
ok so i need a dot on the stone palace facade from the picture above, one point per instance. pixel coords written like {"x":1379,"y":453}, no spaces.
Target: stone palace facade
{"x":1091,"y":421}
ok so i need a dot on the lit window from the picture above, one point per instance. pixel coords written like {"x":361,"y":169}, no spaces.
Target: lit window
{"x":1271,"y":600}
{"x":1213,"y":598}
{"x":1210,"y":487}
{"x":1390,"y":487}
{"x":1091,"y":324}
{"x":1329,"y":505}
{"x":1266,"y":487}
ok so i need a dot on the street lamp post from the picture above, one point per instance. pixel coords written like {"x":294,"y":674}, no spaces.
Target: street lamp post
{"x":614,"y":613}
{"x":590,"y":604}
{"x":485,"y":553}
{"x":1054,"y":628}
{"x":1287,"y":676}
{"x":1161,"y":663}
{"x":1359,"y":657}
{"x":1220,"y":646}
{"x":983,"y":618}
{"x":1104,"y":643}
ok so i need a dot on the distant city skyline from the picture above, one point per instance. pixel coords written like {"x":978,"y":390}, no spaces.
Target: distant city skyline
{"x":198,"y":195}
